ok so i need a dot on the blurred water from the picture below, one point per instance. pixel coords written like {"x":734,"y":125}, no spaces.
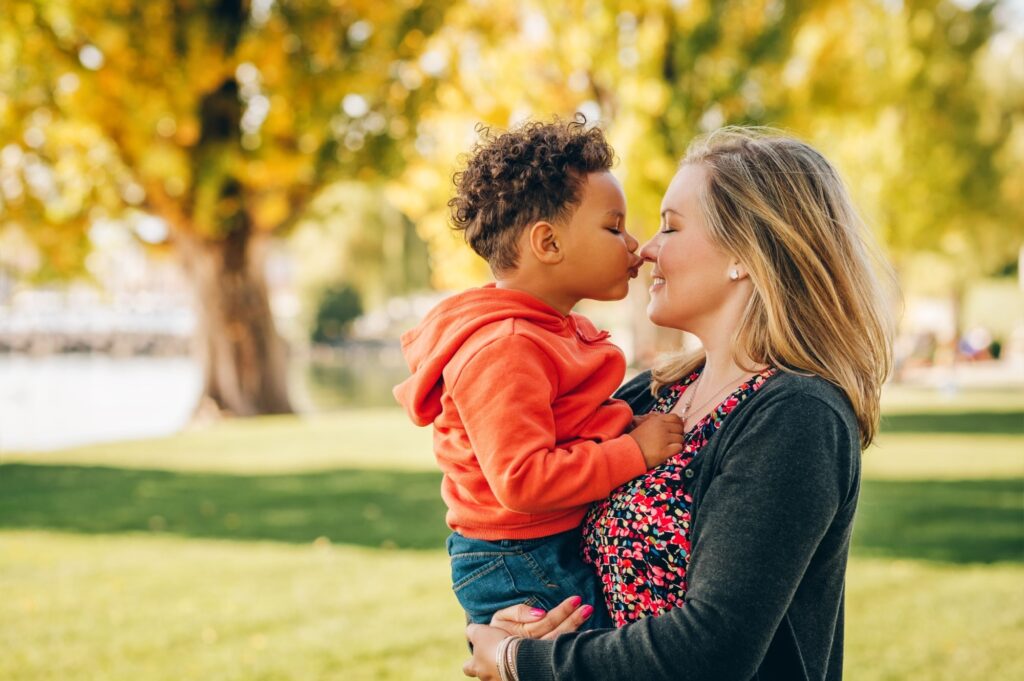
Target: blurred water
{"x":333,"y":384}
{"x":67,"y":400}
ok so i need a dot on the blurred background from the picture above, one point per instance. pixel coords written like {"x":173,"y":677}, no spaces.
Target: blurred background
{"x":218,"y":216}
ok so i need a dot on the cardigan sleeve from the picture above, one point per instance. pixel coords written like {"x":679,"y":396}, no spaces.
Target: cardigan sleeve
{"x":783,"y":477}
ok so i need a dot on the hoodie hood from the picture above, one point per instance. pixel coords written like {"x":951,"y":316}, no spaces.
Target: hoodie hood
{"x":430,"y":346}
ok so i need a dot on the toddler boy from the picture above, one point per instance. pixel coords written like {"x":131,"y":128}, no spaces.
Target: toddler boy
{"x":516,"y":385}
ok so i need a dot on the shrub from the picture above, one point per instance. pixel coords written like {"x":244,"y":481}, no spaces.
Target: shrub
{"x":338,"y":306}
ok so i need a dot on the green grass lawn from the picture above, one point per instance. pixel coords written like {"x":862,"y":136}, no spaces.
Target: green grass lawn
{"x":288,"y":548}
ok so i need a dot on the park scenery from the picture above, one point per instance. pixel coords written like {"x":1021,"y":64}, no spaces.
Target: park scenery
{"x":218,"y":216}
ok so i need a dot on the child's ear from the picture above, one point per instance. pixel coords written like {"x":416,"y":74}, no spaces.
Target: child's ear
{"x":545,"y":243}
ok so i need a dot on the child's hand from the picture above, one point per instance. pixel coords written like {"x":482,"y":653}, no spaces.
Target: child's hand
{"x":637,"y":420}
{"x":660,"y":437}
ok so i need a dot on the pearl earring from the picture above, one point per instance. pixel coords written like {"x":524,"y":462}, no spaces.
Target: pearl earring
{"x":734,"y":275}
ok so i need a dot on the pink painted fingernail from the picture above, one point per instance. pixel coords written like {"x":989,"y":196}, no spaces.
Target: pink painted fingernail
{"x":575,"y":602}
{"x":537,"y":612}
{"x":586,"y":611}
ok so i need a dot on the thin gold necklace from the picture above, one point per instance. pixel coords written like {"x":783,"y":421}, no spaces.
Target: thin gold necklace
{"x":692,"y":391}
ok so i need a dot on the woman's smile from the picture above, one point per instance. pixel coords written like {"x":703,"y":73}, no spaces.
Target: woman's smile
{"x":657,"y":282}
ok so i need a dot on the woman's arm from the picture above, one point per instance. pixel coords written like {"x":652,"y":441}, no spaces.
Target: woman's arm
{"x":782,"y":481}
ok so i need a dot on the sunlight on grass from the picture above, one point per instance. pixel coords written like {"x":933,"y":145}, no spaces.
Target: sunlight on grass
{"x":377,"y":438}
{"x":902,"y":398}
{"x":914,"y":621}
{"x":945,"y":457}
{"x":162,"y":608}
{"x":155,"y":608}
{"x":206,"y":555}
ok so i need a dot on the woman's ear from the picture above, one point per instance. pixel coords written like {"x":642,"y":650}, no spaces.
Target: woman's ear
{"x":737,"y":271}
{"x":545,"y":243}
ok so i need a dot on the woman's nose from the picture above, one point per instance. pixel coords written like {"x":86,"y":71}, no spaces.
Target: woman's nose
{"x":631,"y":242}
{"x":649,"y":252}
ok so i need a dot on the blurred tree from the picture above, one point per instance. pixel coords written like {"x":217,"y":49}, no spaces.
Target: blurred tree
{"x":351,"y":233}
{"x":223,"y":118}
{"x":919,"y":102}
{"x":923,"y":103}
{"x":241,"y":111}
{"x":652,"y":73}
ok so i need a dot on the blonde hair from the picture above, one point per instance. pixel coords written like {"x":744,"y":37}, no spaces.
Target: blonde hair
{"x":818,"y":306}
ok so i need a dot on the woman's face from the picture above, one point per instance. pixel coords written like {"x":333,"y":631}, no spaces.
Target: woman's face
{"x":690,"y":282}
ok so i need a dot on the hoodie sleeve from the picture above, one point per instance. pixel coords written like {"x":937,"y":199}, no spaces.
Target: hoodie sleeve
{"x":504,"y":396}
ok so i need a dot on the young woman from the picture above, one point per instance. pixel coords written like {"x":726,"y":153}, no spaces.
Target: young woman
{"x":728,"y":561}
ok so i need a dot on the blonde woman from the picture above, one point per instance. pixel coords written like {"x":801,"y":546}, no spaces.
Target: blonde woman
{"x":728,"y":561}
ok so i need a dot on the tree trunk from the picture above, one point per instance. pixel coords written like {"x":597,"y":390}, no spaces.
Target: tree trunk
{"x":244,"y":359}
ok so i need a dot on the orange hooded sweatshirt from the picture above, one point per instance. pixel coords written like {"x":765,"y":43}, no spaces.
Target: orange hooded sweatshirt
{"x":524,"y":428}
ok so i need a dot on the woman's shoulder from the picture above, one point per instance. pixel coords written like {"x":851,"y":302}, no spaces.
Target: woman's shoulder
{"x":802,"y":420}
{"x":798,"y":400}
{"x":790,"y":384}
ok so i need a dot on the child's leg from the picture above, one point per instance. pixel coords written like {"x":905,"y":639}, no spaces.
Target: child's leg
{"x":481,"y":578}
{"x":488,"y":576}
{"x":557,"y":559}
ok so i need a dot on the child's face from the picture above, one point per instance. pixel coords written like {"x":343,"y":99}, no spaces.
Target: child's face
{"x":600,"y":256}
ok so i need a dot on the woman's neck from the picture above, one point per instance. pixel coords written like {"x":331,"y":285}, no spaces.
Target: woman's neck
{"x":722,"y":374}
{"x":722,"y":365}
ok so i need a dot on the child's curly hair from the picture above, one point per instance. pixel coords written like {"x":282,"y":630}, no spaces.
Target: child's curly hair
{"x":532,"y":172}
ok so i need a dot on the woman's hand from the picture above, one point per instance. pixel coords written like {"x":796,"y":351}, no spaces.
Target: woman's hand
{"x":485,"y":640}
{"x":527,"y":622}
{"x":524,"y":621}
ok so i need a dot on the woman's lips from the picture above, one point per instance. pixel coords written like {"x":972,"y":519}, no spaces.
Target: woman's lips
{"x":656,"y":283}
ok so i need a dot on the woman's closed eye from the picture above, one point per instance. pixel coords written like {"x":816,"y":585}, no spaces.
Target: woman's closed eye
{"x":670,"y":221}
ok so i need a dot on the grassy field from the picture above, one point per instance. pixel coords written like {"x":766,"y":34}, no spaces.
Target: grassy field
{"x":290,"y":548}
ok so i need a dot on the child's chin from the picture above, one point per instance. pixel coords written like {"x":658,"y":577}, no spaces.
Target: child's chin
{"x":616,"y":294}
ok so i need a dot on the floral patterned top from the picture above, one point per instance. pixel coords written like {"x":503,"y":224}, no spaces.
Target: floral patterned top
{"x":638,"y":539}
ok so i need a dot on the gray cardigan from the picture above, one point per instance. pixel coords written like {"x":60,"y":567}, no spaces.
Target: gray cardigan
{"x":774,"y":493}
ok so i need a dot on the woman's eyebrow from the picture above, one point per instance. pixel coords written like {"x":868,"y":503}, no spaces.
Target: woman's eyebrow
{"x":670,"y":210}
{"x":616,"y":213}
